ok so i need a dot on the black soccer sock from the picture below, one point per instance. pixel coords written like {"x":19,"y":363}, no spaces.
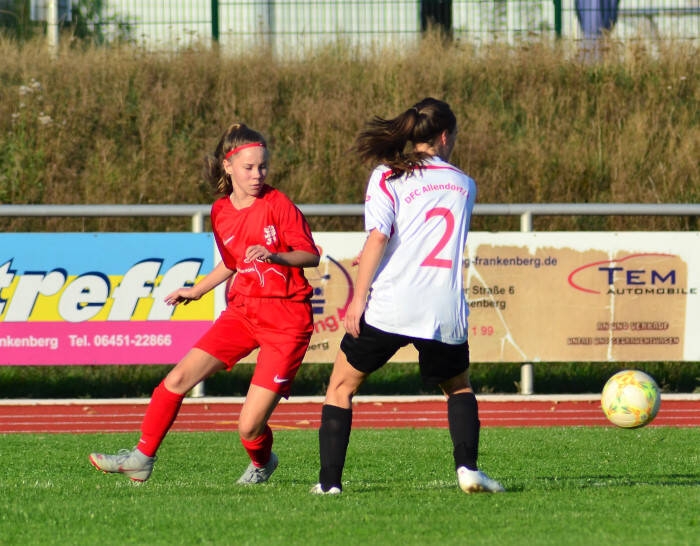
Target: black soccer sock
{"x":333,"y":439}
{"x":463,"y":420}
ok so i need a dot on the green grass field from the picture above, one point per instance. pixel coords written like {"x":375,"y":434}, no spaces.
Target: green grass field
{"x":566,"y":486}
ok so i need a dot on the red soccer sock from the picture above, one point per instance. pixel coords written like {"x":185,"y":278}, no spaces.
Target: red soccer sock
{"x":160,"y":415}
{"x":260,"y":448}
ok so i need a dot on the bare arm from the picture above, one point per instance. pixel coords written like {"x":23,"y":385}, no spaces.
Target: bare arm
{"x":293,"y":258}
{"x":214,"y":278}
{"x":371,"y":255}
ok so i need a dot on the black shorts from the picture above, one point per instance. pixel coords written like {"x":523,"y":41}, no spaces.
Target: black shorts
{"x":437,"y":361}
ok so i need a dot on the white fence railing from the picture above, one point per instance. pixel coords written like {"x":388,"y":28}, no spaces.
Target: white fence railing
{"x":526,"y":211}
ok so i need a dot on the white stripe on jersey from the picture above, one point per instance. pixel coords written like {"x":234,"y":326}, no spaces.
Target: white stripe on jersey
{"x":419,"y":288}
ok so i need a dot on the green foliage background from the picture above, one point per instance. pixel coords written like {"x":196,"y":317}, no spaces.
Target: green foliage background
{"x":537,"y":125}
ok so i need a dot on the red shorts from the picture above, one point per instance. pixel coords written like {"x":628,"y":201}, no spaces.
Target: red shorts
{"x":280,"y":328}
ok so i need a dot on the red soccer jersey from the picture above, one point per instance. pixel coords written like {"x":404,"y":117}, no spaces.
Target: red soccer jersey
{"x":274,"y":222}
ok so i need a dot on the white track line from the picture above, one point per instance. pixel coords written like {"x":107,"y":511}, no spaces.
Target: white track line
{"x":319,"y":399}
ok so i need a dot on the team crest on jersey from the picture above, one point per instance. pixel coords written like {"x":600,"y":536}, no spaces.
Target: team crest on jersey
{"x":270,"y":235}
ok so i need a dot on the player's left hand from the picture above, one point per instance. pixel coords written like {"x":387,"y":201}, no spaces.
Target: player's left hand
{"x":257,"y":252}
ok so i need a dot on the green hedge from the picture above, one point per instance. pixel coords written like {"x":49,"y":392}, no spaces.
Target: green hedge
{"x":139,"y":381}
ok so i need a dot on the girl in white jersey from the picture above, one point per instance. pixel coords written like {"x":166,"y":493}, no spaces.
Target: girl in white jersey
{"x":409,"y":286}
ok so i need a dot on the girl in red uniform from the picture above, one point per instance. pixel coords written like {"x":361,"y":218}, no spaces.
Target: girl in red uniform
{"x":264,"y":242}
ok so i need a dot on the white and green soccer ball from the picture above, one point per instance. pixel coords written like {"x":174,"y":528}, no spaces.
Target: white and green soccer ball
{"x":631,"y":399}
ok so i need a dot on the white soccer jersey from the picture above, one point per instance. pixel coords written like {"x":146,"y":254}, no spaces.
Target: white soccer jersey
{"x":418,"y":289}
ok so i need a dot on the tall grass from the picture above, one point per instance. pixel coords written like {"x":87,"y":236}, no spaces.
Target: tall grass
{"x":121,"y":125}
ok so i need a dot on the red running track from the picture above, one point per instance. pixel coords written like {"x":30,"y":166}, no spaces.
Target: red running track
{"x":221,"y":414}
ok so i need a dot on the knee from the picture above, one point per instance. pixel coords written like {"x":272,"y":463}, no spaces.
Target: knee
{"x":175,"y":381}
{"x":457,"y":385}
{"x":340,"y":394}
{"x":250,"y":429}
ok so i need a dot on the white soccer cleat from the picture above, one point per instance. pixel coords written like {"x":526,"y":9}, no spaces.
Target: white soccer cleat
{"x":475,"y":481}
{"x":318,"y":490}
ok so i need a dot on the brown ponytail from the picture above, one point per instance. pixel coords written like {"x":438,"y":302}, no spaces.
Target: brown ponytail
{"x":385,"y":140}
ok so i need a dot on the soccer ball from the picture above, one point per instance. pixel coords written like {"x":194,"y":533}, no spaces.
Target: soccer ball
{"x":631,"y":399}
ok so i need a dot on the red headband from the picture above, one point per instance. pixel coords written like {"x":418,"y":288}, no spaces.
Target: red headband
{"x":243,"y":147}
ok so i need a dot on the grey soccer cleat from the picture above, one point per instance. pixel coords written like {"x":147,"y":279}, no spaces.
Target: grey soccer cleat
{"x":132,"y":463}
{"x":253,"y":474}
{"x":475,"y":481}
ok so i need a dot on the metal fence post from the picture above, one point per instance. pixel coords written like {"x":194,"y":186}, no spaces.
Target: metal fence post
{"x":527,"y":374}
{"x":215,"y":20}
{"x":52,"y":27}
{"x":557,"y":18}
{"x":198,"y":227}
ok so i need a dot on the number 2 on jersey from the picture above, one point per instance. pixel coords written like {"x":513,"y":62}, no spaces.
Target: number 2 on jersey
{"x":432,"y":260}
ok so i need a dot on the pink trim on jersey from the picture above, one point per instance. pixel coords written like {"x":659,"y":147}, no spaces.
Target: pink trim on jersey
{"x":439,"y":167}
{"x":387,"y":174}
{"x":382,"y":186}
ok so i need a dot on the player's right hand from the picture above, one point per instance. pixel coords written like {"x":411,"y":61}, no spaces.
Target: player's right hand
{"x":353,"y":314}
{"x":181,"y":295}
